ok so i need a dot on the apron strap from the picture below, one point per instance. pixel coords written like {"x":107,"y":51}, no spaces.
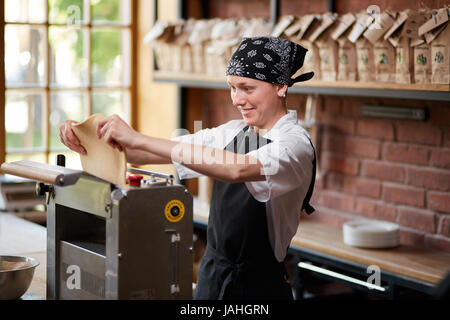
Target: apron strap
{"x":306,"y":206}
{"x":234,"y":269}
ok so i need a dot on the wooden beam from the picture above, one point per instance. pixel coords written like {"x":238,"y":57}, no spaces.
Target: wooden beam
{"x":2,"y":84}
{"x":156,"y":112}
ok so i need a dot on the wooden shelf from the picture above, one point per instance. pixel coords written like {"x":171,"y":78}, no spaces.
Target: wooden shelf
{"x":435,"y":92}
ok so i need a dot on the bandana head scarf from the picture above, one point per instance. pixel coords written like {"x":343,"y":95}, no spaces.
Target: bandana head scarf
{"x":269,"y":59}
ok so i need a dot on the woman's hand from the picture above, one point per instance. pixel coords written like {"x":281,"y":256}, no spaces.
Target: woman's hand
{"x":117,"y":133}
{"x":69,"y":139}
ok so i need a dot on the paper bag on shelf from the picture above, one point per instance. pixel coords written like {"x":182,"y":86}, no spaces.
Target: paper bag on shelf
{"x":438,"y":17}
{"x":257,"y":27}
{"x":363,"y":20}
{"x":422,"y":61}
{"x":199,"y":39}
{"x":440,"y":53}
{"x":181,"y":50}
{"x":404,"y":54}
{"x":177,"y":46}
{"x":224,"y":35}
{"x":308,"y":24}
{"x":328,"y":47}
{"x":347,"y":70}
{"x":161,"y":35}
{"x":383,"y":51}
{"x":281,"y":25}
{"x":414,"y":21}
{"x":364,"y":48}
{"x":379,"y":27}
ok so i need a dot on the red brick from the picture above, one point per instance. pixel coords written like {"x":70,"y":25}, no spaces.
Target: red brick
{"x":375,"y":129}
{"x":374,"y":209}
{"x":440,"y":158}
{"x":328,"y":216}
{"x":233,"y":9}
{"x":446,"y":142}
{"x":439,"y":113}
{"x":340,"y":126}
{"x":418,"y":133}
{"x":340,"y":182}
{"x":330,"y":108}
{"x":399,"y":5}
{"x":419,"y":219}
{"x":403,"y":195}
{"x":367,"y":187}
{"x":351,"y":107}
{"x":354,"y":185}
{"x":302,"y":7}
{"x":411,"y":237}
{"x":437,"y":242}
{"x":383,"y":171}
{"x":439,"y":201}
{"x":336,"y":200}
{"x":428,"y":178}
{"x":339,"y":164}
{"x":366,"y":148}
{"x":444,"y":225}
{"x":405,"y":153}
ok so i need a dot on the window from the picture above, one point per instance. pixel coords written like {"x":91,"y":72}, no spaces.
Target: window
{"x":64,"y":59}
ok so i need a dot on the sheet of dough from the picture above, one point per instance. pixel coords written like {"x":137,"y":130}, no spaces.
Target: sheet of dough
{"x":102,"y":160}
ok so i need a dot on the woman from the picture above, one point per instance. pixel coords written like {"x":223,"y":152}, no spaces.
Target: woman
{"x":263,"y":168}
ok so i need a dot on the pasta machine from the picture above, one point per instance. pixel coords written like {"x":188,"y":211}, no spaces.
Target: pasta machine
{"x":113,"y":242}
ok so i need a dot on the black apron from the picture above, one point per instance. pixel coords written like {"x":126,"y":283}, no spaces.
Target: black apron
{"x":239,"y":262}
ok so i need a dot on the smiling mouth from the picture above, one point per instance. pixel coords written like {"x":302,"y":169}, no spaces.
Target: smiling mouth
{"x":245,"y":111}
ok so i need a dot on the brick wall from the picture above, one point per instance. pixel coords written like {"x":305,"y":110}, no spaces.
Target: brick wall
{"x":392,"y":170}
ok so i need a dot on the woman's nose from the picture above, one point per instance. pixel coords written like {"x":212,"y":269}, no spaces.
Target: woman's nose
{"x":238,"y":98}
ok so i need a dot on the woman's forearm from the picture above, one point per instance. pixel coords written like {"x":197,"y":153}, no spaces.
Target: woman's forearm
{"x":216,"y":163}
{"x":141,"y":157}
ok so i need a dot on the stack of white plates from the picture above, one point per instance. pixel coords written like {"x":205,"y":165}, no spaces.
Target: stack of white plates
{"x":371,"y":234}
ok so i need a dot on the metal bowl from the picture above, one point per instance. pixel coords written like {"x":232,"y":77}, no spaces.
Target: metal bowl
{"x":14,"y":283}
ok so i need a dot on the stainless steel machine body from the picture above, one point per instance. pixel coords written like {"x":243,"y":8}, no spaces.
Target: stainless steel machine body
{"x":111,"y":242}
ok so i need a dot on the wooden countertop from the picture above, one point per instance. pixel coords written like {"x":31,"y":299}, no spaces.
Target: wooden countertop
{"x":422,"y":264}
{"x":19,"y":237}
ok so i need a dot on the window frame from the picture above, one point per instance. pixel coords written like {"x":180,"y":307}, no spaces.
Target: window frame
{"x":89,"y":88}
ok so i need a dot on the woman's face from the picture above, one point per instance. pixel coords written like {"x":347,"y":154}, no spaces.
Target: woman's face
{"x":259,"y":102}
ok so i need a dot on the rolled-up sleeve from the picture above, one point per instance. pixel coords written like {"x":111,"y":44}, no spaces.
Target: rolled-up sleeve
{"x":286,"y":164}
{"x":215,"y":137}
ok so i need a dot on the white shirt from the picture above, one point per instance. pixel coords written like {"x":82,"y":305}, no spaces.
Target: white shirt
{"x":287,"y":165}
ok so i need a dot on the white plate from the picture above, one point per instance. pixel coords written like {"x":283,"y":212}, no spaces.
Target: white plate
{"x":371,"y":227}
{"x":371,"y":234}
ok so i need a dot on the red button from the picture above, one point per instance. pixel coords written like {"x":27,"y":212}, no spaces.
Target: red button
{"x":135,"y":180}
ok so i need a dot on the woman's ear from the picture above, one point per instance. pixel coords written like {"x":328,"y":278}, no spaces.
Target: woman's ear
{"x":281,"y":90}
